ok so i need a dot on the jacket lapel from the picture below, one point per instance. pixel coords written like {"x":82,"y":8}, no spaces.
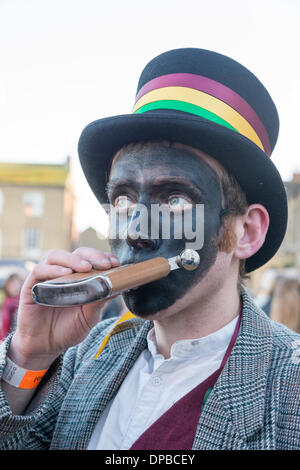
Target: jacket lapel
{"x":96,"y":383}
{"x":234,"y":410}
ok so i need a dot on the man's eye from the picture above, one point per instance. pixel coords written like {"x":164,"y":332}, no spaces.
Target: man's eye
{"x":123,"y":203}
{"x":179,"y":202}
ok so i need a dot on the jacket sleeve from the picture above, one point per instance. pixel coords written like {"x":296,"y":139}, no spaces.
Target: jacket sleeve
{"x":288,"y":411}
{"x":289,"y":425}
{"x":34,"y":429}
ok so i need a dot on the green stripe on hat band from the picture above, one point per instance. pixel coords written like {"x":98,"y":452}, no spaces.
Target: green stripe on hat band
{"x":187,"y":108}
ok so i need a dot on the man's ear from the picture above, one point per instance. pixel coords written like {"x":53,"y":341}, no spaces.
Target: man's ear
{"x":251,"y":230}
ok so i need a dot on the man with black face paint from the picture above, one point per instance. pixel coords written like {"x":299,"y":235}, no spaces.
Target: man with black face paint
{"x":193,"y":364}
{"x":181,"y":173}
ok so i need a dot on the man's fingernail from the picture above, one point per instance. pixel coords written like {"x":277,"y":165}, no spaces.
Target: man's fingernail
{"x":65,"y":270}
{"x":84,"y":264}
{"x":104,"y":264}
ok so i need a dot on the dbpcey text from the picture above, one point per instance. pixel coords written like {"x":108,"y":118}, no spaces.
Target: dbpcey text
{"x":177,"y":459}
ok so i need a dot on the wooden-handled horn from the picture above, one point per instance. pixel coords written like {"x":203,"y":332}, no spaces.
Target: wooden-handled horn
{"x":84,"y":288}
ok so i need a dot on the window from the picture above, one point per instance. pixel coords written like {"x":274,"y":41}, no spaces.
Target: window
{"x":31,"y":243}
{"x":31,"y":239}
{"x":33,"y":203}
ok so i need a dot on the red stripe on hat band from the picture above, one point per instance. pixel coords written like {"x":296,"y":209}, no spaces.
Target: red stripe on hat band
{"x":216,"y":89}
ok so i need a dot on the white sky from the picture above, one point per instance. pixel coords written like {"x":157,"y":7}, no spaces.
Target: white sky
{"x":65,"y":63}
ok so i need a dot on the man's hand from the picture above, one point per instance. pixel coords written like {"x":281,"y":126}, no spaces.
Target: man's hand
{"x":43,"y":333}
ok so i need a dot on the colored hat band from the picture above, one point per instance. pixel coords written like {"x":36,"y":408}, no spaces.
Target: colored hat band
{"x":203,"y":97}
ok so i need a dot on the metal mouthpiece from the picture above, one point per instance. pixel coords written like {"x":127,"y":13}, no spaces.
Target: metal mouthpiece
{"x":188,"y":259}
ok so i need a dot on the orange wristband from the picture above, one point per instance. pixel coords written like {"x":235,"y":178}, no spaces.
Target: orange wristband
{"x":21,"y":378}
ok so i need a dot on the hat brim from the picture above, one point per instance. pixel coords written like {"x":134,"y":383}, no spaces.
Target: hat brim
{"x":252,"y":168}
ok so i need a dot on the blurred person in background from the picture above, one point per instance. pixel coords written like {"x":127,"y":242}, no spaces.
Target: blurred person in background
{"x":269,"y":293}
{"x":285,"y":305}
{"x":12,"y":289}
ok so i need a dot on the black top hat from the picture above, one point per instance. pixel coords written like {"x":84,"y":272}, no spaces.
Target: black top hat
{"x":208,"y":101}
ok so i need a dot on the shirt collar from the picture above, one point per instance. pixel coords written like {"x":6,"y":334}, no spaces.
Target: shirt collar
{"x":206,"y":346}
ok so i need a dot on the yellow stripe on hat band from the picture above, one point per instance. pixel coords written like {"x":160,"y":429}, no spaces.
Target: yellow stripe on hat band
{"x":127,"y":316}
{"x":206,"y":101}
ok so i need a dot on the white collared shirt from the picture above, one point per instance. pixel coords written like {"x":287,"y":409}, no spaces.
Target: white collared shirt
{"x":154,"y":384}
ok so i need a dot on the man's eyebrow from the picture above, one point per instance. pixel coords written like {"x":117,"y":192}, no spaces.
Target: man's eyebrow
{"x":178,"y":180}
{"x":113,"y":184}
{"x":159,"y":181}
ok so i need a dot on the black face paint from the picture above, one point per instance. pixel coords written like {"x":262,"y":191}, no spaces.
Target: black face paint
{"x":149,"y":175}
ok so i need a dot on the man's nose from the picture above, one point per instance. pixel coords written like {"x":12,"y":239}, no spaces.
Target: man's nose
{"x":141,"y":243}
{"x":141,"y":238}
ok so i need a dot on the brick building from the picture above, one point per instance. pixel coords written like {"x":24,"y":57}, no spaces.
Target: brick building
{"x":37,"y":210}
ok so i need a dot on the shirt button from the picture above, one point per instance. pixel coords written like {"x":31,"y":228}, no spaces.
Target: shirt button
{"x":156,"y":380}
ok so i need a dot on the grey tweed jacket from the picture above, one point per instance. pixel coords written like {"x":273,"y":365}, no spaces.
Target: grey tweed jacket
{"x":255,"y":403}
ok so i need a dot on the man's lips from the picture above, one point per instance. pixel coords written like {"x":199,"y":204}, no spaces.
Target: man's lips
{"x":139,"y":258}
{"x":135,"y":260}
{"x":133,"y":257}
